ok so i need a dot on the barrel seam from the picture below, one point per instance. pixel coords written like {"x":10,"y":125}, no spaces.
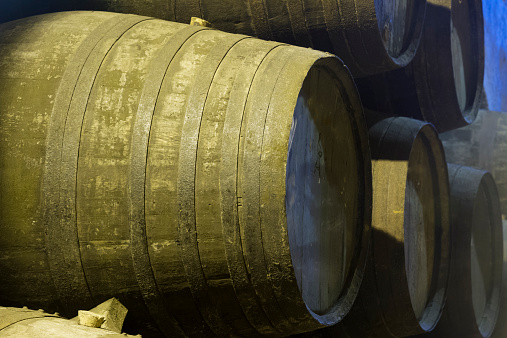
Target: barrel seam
{"x":190,"y":254}
{"x":137,"y":181}
{"x":52,"y":174}
{"x":238,"y":204}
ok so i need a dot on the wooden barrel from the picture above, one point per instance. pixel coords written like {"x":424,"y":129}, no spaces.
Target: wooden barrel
{"x":473,"y":299}
{"x":213,"y":183}
{"x":370,"y":36}
{"x":16,"y":322}
{"x":483,"y":144}
{"x":405,"y":282}
{"x":444,"y":82}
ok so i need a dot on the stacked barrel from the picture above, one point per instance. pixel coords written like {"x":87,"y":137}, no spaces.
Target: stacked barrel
{"x":227,"y":181}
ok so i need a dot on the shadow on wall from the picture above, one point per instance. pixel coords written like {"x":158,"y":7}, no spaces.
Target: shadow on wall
{"x":495,"y":31}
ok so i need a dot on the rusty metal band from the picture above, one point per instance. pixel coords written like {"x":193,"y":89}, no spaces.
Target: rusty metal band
{"x":186,"y":185}
{"x":184,"y":10}
{"x":138,"y":160}
{"x":58,"y":180}
{"x":298,"y":23}
{"x":260,"y":20}
{"x":334,"y":17}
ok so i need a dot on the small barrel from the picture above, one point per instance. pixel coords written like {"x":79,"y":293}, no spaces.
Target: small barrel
{"x":371,"y":36}
{"x":473,"y":299}
{"x":443,"y":84}
{"x":404,"y":287}
{"x":405,"y":282}
{"x":213,"y":183}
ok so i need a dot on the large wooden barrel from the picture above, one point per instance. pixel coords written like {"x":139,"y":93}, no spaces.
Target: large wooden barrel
{"x":213,"y":183}
{"x":404,"y":287}
{"x":473,"y":298}
{"x":370,"y":36}
{"x":444,"y":82}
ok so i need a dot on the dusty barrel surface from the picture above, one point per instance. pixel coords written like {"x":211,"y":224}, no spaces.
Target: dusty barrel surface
{"x":444,"y":82}
{"x":16,"y":322}
{"x":473,"y":299}
{"x":202,"y":178}
{"x":370,"y":36}
{"x":405,"y":282}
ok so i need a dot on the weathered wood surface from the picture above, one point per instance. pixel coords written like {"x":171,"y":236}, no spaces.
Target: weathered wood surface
{"x":370,"y":36}
{"x":16,"y":322}
{"x":175,"y":167}
{"x":444,"y":82}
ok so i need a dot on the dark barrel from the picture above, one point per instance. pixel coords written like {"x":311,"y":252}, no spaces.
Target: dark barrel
{"x":370,"y":36}
{"x":444,"y":82}
{"x":473,"y":299}
{"x":483,"y":144}
{"x":214,"y":183}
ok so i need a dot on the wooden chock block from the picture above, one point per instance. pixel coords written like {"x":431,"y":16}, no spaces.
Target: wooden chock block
{"x":114,"y":313}
{"x":90,"y":319}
